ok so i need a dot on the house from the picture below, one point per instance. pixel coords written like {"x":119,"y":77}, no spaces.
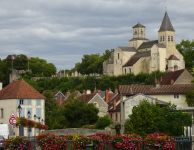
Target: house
{"x":144,"y":55}
{"x":19,"y":92}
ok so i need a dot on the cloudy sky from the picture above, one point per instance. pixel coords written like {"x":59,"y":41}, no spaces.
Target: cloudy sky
{"x":62,"y":31}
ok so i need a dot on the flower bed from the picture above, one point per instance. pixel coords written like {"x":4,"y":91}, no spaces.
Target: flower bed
{"x":18,"y":143}
{"x":30,"y":123}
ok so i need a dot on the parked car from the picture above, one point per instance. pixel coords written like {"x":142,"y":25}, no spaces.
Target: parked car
{"x":1,"y":142}
{"x":6,"y":130}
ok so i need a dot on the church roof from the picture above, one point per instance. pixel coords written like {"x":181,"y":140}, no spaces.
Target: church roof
{"x":142,"y":54}
{"x":139,"y":25}
{"x":171,"y":75}
{"x":172,"y":57}
{"x":131,"y":49}
{"x":131,"y":62}
{"x":147,"y":44}
{"x":134,"y":39}
{"x":20,"y":89}
{"x":166,"y":24}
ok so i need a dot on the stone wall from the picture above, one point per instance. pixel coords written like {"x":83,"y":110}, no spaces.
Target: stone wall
{"x":80,"y":131}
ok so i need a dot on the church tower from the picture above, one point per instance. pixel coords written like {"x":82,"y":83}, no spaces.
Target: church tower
{"x":166,"y":36}
{"x":139,"y":31}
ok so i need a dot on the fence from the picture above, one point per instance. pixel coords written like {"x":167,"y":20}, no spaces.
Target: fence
{"x":180,"y":145}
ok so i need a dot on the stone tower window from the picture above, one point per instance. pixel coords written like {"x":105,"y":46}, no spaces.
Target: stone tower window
{"x":168,"y":38}
{"x":163,"y":38}
{"x":141,"y":31}
{"x":135,"y":32}
{"x":171,"y":38}
{"x":118,"y":55}
{"x":160,"y":38}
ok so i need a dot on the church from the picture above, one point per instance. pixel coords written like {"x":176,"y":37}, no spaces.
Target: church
{"x":144,"y":55}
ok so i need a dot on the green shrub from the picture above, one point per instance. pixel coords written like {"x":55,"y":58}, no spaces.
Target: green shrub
{"x":103,"y":122}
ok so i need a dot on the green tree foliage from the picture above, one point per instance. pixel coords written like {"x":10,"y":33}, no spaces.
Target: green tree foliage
{"x":148,"y":117}
{"x":49,"y":69}
{"x":186,"y":48}
{"x":190,"y":96}
{"x":103,"y":122}
{"x":78,"y":113}
{"x":54,"y":114}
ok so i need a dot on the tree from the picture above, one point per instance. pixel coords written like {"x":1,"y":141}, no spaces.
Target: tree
{"x":148,"y":117}
{"x":103,"y":122}
{"x":49,"y":69}
{"x":77,"y":113}
{"x":190,"y":96}
{"x":186,"y":48}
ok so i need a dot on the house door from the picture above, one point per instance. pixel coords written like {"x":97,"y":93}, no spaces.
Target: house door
{"x":21,"y":131}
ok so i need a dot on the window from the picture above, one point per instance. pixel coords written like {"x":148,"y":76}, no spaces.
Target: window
{"x":21,"y":102}
{"x":135,"y":32}
{"x":163,"y":38}
{"x":168,"y":38}
{"x":29,"y":102}
{"x":111,"y":116}
{"x":1,"y":113}
{"x":95,"y":104}
{"x":116,"y":117}
{"x":171,"y":38}
{"x":129,"y":70}
{"x":38,"y":102}
{"x":160,"y":38}
{"x":176,"y":96}
{"x":141,"y":31}
{"x":22,"y":112}
{"x":125,"y":71}
{"x":38,"y":112}
{"x":29,"y":109}
{"x":118,"y":55}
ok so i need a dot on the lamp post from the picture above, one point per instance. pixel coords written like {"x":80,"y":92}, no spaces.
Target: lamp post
{"x":42,"y":123}
{"x":39,"y":122}
{"x":19,"y":111}
{"x":35,"y":121}
{"x":28,"y":114}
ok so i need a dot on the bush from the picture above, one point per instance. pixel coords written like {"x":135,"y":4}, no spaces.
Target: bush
{"x":103,"y":122}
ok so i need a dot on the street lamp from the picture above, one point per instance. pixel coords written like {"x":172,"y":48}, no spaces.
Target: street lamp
{"x":28,"y":114}
{"x":19,"y":111}
{"x":35,"y":121}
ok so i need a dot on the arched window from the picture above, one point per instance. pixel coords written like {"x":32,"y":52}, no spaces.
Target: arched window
{"x":160,"y":38}
{"x":129,"y":70}
{"x":118,"y":55}
{"x":168,"y":38}
{"x":141,"y":31}
{"x":135,"y":32}
{"x":163,"y":38}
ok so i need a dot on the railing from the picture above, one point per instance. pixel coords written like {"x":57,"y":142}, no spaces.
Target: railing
{"x":181,"y":145}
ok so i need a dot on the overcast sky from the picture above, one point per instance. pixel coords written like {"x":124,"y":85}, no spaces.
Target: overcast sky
{"x":62,"y":31}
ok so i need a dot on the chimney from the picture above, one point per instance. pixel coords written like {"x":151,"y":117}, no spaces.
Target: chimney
{"x":114,"y":106}
{"x":1,"y":85}
{"x":116,"y":90}
{"x":59,"y":101}
{"x":84,"y":91}
{"x":155,"y":80}
{"x":161,"y":79}
{"x":171,"y":81}
{"x":95,"y":90}
{"x":106,"y":96}
{"x":99,"y":93}
{"x":109,"y":89}
{"x":88,"y":91}
{"x":68,"y":93}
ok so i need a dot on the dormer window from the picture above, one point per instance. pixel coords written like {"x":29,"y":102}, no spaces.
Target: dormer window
{"x":171,"y":38}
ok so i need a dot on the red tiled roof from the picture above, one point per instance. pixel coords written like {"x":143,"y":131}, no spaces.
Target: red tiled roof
{"x":111,"y":102}
{"x":131,"y":62}
{"x":171,"y":75}
{"x":150,"y":89}
{"x":172,"y":57}
{"x":110,"y":96}
{"x":19,"y":89}
{"x":87,"y":97}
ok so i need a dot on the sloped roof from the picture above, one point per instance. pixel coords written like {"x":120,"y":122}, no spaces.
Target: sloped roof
{"x":139,"y":25}
{"x":87,"y":97}
{"x":161,"y":45}
{"x":110,"y":103}
{"x":147,"y":44}
{"x":142,"y":54}
{"x":110,"y":96}
{"x":131,"y":49}
{"x":20,"y":89}
{"x":172,"y":57}
{"x":118,"y":108}
{"x":151,"y":90}
{"x":171,"y":75}
{"x":166,"y":24}
{"x":131,"y":62}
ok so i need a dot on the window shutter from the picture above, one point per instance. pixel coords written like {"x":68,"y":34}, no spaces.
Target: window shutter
{"x":29,"y":102}
{"x":22,"y":112}
{"x":25,"y":102}
{"x":38,"y":102}
{"x":38,"y":112}
{"x":29,"y":109}
{"x":18,"y":101}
